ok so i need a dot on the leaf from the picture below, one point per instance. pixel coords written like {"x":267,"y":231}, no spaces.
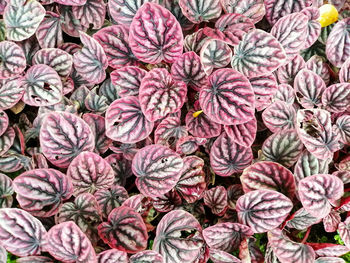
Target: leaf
{"x":21,"y":233}
{"x":42,"y":191}
{"x":329,"y":250}
{"x":7,"y":140}
{"x":339,"y":38}
{"x":43,"y":86}
{"x":234,"y":21}
{"x":282,"y":147}
{"x":124,"y":230}
{"x":227,"y":157}
{"x":202,"y":126}
{"x":228,"y":99}
{"x":215,"y":54}
{"x":91,"y":61}
{"x":92,"y":12}
{"x":13,"y":61}
{"x":216,"y":199}
{"x":315,"y":131}
{"x":226,"y":236}
{"x":156,"y":168}
{"x":169,"y":131}
{"x":97,"y":125}
{"x":263,"y":210}
{"x":63,"y":136}
{"x":276,"y":9}
{"x":288,"y":250}
{"x":191,"y":184}
{"x":200,"y":10}
{"x":22,"y":18}
{"x":255,"y":10}
{"x":167,"y":202}
{"x":6,"y":191}
{"x":287,"y":73}
{"x":290,"y":31}
{"x":66,"y":242}
{"x":309,"y":86}
{"x":49,"y":32}
{"x":195,"y":41}
{"x":318,"y":65}
{"x":343,"y":124}
{"x":89,"y":172}
{"x":178,"y":237}
{"x":264,"y":88}
{"x":127,"y":80}
{"x":219,"y":256}
{"x":270,"y":176}
{"x":123,"y":11}
{"x":344,"y":73}
{"x":187,"y":145}
{"x":242,"y":134}
{"x":317,"y":193}
{"x":147,"y":256}
{"x":115,"y":43}
{"x":109,"y":90}
{"x":160,"y":95}
{"x":55,"y":58}
{"x":279,"y":116}
{"x":302,"y":220}
{"x":71,"y":25}
{"x":125,"y":121}
{"x":112,"y":255}
{"x":308,"y":164}
{"x":285,"y":93}
{"x":153,"y":42}
{"x":96,"y":103}
{"x":336,"y":98}
{"x":111,"y":198}
{"x":84,"y":212}
{"x":257,"y":54}
{"x":188,"y":68}
{"x":313,"y":26}
{"x":330,"y":222}
{"x":344,"y":232}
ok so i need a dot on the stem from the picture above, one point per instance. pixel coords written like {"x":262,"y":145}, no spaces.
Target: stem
{"x":306,"y":235}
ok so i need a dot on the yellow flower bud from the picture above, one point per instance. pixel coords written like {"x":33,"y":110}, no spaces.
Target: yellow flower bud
{"x":328,"y":15}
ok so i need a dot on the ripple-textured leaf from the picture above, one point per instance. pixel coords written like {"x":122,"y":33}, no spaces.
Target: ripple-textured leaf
{"x":155,"y":35}
{"x":171,"y":244}
{"x":13,"y":61}
{"x":279,"y":116}
{"x":148,"y":256}
{"x":63,"y":136}
{"x":200,"y":10}
{"x":42,"y":191}
{"x":157,"y":170}
{"x":263,"y":210}
{"x":202,"y":126}
{"x":254,"y":9}
{"x":228,"y":157}
{"x":127,"y":80}
{"x":112,"y":255}
{"x":49,"y":32}
{"x":242,"y":134}
{"x":6,"y":191}
{"x":124,"y":230}
{"x":257,"y":54}
{"x":216,"y":199}
{"x":336,"y":98}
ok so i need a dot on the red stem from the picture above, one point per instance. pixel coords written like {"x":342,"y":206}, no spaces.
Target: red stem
{"x":306,"y":235}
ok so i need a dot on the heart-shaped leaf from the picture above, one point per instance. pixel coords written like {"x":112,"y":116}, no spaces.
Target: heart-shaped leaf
{"x":287,"y":250}
{"x":264,"y":88}
{"x":336,"y":98}
{"x":169,"y":131}
{"x":337,"y":48}
{"x":202,"y":126}
{"x":66,"y":242}
{"x":282,"y":147}
{"x":124,"y":230}
{"x":226,"y":236}
{"x":92,"y":12}
{"x":89,"y":172}
{"x":179,"y":237}
{"x":229,"y":97}
{"x":111,"y":198}
{"x":115,"y":43}
{"x":285,"y":93}
{"x":160,"y":95}
{"x":268,"y":175}
{"x":49,"y":32}
{"x":200,"y":10}
{"x":315,"y":131}
{"x":125,"y":121}
{"x":318,"y":65}
{"x":153,"y":42}
{"x":41,"y":191}
{"x":157,"y":170}
{"x":287,"y":73}
{"x":318,"y":192}
{"x":228,"y":157}
{"x":257,"y":54}
{"x":13,"y":61}
{"x":10,"y":93}
{"x":21,"y":233}
{"x":242,"y":134}
{"x":279,"y":116}
{"x":55,"y":129}
{"x":313,"y":26}
{"x":91,"y":61}
{"x":22,"y":18}
{"x":263,"y":210}
{"x":43,"y":86}
{"x":127,"y":80}
{"x":216,"y":199}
